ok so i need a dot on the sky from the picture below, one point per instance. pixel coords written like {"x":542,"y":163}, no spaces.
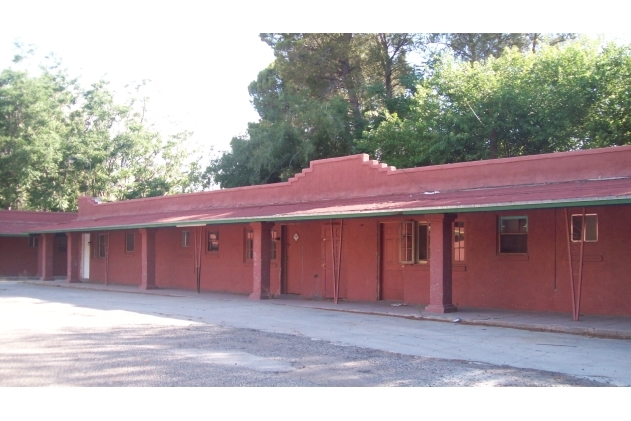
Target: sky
{"x":200,"y":57}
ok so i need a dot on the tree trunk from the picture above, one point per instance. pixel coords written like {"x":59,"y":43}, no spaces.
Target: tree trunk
{"x":493,"y":144}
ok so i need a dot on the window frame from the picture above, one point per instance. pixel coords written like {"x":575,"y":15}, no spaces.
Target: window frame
{"x":33,"y":241}
{"x":100,"y":246}
{"x":210,"y":241}
{"x":273,"y":246}
{"x":133,"y":242}
{"x":459,"y":230}
{"x":418,"y":257}
{"x":248,"y":246}
{"x":500,"y":234}
{"x":410,"y":233}
{"x":584,"y":238}
{"x":185,"y":239}
{"x":404,"y":234}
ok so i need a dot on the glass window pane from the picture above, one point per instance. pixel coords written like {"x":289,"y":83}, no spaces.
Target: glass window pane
{"x":515,"y":243}
{"x":406,"y":253}
{"x":101,"y":245}
{"x":213,"y":241}
{"x":577,"y":227}
{"x":591,"y":227}
{"x":129,"y":246}
{"x":423,"y":243}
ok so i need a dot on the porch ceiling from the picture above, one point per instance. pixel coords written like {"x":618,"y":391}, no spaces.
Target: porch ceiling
{"x":532,"y":196}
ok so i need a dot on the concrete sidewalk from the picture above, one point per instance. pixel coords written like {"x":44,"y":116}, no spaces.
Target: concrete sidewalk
{"x":616,"y":327}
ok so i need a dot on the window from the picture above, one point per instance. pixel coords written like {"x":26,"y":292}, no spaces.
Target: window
{"x":62,"y":244}
{"x":213,"y":241}
{"x":459,"y":241}
{"x":272,"y":249}
{"x":185,"y":239}
{"x":249,"y":245}
{"x":591,"y":227}
{"x":423,"y":242}
{"x":413,"y":242}
{"x":406,"y":242}
{"x":100,"y":252}
{"x":32,"y":241}
{"x":129,"y":243}
{"x":513,"y":234}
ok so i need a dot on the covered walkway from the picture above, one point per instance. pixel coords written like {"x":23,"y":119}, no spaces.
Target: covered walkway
{"x":617,"y":327}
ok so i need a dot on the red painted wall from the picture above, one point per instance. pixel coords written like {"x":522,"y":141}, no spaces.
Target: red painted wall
{"x":16,"y":257}
{"x":225,"y":270}
{"x":536,"y":281}
{"x":540,"y":281}
{"x":120,"y":267}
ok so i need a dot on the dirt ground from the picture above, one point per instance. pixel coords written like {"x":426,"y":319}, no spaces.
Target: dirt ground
{"x":220,"y":356}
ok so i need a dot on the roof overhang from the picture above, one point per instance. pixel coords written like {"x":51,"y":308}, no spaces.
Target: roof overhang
{"x":542,"y":196}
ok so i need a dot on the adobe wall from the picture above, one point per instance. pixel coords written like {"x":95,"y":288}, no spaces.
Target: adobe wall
{"x":225,"y":270}
{"x":540,"y":281}
{"x":358,"y":176}
{"x":537,"y":281}
{"x":16,"y":257}
{"x":120,"y":267}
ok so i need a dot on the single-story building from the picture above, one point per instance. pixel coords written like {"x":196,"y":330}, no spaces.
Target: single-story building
{"x":19,"y":250}
{"x":549,"y":232}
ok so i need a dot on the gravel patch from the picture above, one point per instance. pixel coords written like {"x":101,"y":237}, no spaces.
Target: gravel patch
{"x":214,"y":355}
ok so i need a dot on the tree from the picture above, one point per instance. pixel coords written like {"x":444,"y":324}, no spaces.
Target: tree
{"x":59,"y":141}
{"x":315,"y":101}
{"x":472,"y":48}
{"x":518,"y":104}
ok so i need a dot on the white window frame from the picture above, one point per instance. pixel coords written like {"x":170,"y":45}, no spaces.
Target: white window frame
{"x":580,"y":215}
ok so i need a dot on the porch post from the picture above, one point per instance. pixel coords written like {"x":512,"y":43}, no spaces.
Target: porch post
{"x":72,"y":272}
{"x":261,"y":260}
{"x":45,"y":257}
{"x":148,"y":245}
{"x":440,"y":288}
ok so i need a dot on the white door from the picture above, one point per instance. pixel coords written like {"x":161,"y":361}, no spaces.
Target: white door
{"x":85,"y":256}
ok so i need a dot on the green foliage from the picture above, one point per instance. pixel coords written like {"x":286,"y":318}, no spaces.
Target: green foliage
{"x":559,"y":99}
{"x":58,"y":141}
{"x":315,"y":101}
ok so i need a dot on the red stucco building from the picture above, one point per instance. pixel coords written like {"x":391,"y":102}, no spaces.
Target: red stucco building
{"x":528,"y":233}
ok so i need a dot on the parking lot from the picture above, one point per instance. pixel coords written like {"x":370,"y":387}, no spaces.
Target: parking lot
{"x":63,"y":336}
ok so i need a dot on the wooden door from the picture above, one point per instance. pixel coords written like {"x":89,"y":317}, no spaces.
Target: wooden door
{"x":293,"y":240}
{"x":391,"y":287}
{"x":85,"y":256}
